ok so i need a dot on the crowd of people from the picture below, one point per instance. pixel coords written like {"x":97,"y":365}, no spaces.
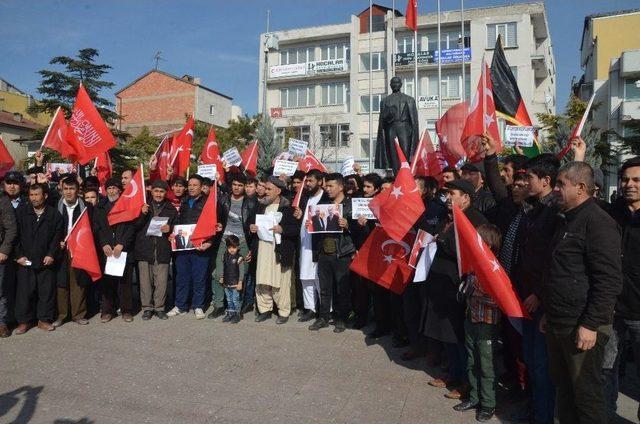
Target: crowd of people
{"x":569,"y":253}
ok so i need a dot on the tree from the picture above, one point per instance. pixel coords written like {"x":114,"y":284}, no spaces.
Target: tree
{"x":267,"y":149}
{"x":630,"y":140}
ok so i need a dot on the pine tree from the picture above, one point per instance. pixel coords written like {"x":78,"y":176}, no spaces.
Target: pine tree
{"x":267,"y":149}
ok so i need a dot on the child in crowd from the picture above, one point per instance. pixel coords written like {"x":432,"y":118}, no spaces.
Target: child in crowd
{"x":481,"y":333}
{"x":233,"y":271}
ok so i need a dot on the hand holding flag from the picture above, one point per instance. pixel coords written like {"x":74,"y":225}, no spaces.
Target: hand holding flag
{"x":208,"y":221}
{"x":129,"y":205}
{"x":82,"y":247}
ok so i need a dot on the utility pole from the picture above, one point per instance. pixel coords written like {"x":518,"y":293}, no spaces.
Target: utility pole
{"x":266,"y":66}
{"x":158,"y":58}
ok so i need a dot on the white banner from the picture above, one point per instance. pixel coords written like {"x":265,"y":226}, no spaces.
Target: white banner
{"x":347,"y":167}
{"x":298,"y":147}
{"x":207,"y":171}
{"x":294,"y":70}
{"x":427,"y":102}
{"x":232,"y":157}
{"x":286,"y":167}
{"x":522,"y":136}
{"x":360,"y":207}
{"x":331,"y":65}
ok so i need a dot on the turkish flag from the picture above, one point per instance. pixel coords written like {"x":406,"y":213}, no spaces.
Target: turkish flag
{"x":82,"y":247}
{"x":474,"y":256}
{"x":449,"y":129}
{"x":577,"y":130}
{"x":129,"y":204}
{"x":481,"y":119}
{"x":57,"y":137}
{"x":250,"y":158}
{"x":411,"y":16}
{"x":383,"y":260}
{"x":89,"y":134}
{"x":298,"y":196}
{"x":6,"y":161}
{"x":181,"y":148}
{"x":211,"y":154}
{"x":421,"y":241}
{"x":399,"y":206}
{"x":310,"y":162}
{"x":104,"y":169}
{"x":427,"y":161}
{"x":206,"y":226}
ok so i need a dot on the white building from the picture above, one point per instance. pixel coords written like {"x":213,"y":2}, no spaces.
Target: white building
{"x":317,"y":79}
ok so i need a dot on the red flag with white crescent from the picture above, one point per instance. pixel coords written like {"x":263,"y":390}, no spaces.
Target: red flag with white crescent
{"x":104,"y":169}
{"x":129,"y":205}
{"x":310,"y":162}
{"x":427,"y":161}
{"x":83,"y":248}
{"x":250,"y":158}
{"x":210,"y":154}
{"x":57,"y":137}
{"x":206,"y":226}
{"x":6,"y":160}
{"x":181,"y":148}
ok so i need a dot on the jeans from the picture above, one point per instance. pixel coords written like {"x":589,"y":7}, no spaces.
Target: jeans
{"x":334,"y":276}
{"x":534,"y":348}
{"x":191,"y":270}
{"x":4,"y":303}
{"x":613,"y":352}
{"x":216,"y":288}
{"x":233,"y":299}
{"x":249,"y":292}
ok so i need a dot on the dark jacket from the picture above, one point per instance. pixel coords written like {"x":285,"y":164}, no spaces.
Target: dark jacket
{"x":286,"y":250}
{"x":189,"y":215}
{"x":38,"y":237}
{"x":505,"y":208}
{"x":345,"y":240}
{"x":151,"y":248}
{"x":585,"y":272}
{"x":122,"y":233}
{"x":628,"y":306}
{"x":62,"y":261}
{"x":8,"y":229}
{"x":483,"y":200}
{"x":249,"y":205}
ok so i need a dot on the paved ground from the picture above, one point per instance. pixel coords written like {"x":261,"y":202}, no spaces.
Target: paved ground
{"x":183,"y":370}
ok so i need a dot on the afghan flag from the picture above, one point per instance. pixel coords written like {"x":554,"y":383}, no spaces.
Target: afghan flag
{"x":507,"y":97}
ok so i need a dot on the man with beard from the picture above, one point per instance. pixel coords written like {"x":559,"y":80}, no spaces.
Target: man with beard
{"x":308,"y":267}
{"x":113,"y":240}
{"x":274,"y":261}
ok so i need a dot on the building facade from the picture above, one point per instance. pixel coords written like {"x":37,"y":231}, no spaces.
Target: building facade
{"x":610,"y":58}
{"x":317,"y":79}
{"x":160,"y":101}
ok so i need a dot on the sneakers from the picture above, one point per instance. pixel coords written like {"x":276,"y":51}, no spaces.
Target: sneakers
{"x":175,"y":312}
{"x":227,"y":317}
{"x":199,"y":313}
{"x":215,"y":313}
{"x":235,"y":318}
{"x":307,"y":316}
{"x":318,"y":324}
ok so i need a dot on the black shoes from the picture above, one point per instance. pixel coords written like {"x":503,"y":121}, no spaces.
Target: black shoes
{"x":246,"y":308}
{"x":227,"y":317}
{"x":318,"y":324}
{"x":465,"y":406}
{"x":146,"y":315}
{"x":215,"y":313}
{"x":339,"y":326}
{"x":161,"y":315}
{"x":378,"y":333}
{"x":282,"y":320}
{"x":306,"y":316}
{"x":399,"y":341}
{"x":235,"y":318}
{"x":484,"y":414}
{"x":263,"y":317}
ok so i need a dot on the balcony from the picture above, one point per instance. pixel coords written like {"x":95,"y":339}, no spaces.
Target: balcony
{"x":629,"y":110}
{"x":318,"y":68}
{"x":630,"y":64}
{"x":540,"y":66}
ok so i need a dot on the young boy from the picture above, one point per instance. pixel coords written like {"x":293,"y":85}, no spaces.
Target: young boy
{"x":481,"y":332}
{"x":232,"y":273}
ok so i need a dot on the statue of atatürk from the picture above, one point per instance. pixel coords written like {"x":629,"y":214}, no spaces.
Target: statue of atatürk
{"x":398,"y":118}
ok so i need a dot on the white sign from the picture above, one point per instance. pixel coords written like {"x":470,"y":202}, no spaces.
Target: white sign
{"x":360,"y":207}
{"x":347,"y":167}
{"x":522,"y":136}
{"x":61,"y":168}
{"x":427,"y":102}
{"x":298,"y":147}
{"x":294,"y":70}
{"x":232,"y":157}
{"x":331,"y":65}
{"x":155,"y":226}
{"x":207,"y":171}
{"x":115,"y":266}
{"x":286,"y":167}
{"x":265,"y":222}
{"x":364,"y":168}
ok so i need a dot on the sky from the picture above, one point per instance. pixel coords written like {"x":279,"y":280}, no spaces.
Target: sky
{"x":216,"y":40}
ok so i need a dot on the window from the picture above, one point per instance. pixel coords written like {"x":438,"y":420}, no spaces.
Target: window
{"x":508,"y":31}
{"x":377,"y":22}
{"x":335,"y":51}
{"x":449,"y":40}
{"x":514,"y":71}
{"x":334,"y":135}
{"x":432,"y":85}
{"x":301,"y":133}
{"x":297,"y":55}
{"x":334,"y":93}
{"x":632,"y":89}
{"x":451,"y":86}
{"x":407,"y":86}
{"x":212,"y":110}
{"x":378,"y":61}
{"x":364,"y":103}
{"x":302,"y":96}
{"x":431,"y":129}
{"x":405,"y":44}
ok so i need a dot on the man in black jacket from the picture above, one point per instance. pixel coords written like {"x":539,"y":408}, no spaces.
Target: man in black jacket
{"x":235,"y":212}
{"x":40,"y":232}
{"x":113,"y":240}
{"x":8,"y":234}
{"x":153,"y":252}
{"x":585,"y":278}
{"x":483,"y":200}
{"x":334,"y":252}
{"x":626,"y":324}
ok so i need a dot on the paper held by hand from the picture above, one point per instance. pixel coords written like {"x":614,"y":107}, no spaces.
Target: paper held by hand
{"x":115,"y":266}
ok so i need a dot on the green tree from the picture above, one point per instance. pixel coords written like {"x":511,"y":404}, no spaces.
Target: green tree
{"x":630,"y":140}
{"x":267,"y":148}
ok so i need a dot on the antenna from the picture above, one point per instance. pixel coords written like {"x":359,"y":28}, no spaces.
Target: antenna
{"x":158,"y":57}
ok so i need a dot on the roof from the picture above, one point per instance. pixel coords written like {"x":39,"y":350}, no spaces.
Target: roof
{"x":174,"y":77}
{"x":603,"y":15}
{"x":385,"y":8}
{"x":9,"y":85}
{"x":9,"y":119}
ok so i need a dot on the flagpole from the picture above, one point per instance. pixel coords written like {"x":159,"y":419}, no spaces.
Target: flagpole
{"x":74,"y":224}
{"x":393,"y":39}
{"x":464,"y":86}
{"x":439,"y":67}
{"x":49,"y":129}
{"x":144,"y":189}
{"x":370,"y":92}
{"x":484,"y":98}
{"x":415,"y":60}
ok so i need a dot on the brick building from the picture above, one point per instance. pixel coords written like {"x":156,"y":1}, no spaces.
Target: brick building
{"x":160,"y":101}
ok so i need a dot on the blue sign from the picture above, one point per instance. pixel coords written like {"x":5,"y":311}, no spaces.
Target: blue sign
{"x":431,"y":56}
